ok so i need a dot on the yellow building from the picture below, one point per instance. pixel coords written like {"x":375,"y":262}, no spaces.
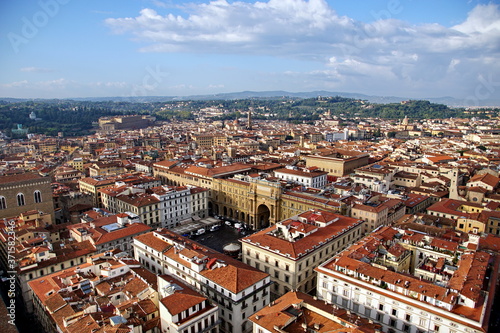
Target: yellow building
{"x":253,"y":201}
{"x":339,"y":163}
{"x":210,"y":140}
{"x":77,"y":163}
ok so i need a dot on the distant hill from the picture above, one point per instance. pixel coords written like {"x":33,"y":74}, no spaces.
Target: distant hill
{"x":276,"y":94}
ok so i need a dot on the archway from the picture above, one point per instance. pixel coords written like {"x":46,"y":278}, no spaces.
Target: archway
{"x":263,"y":214}
{"x":225,"y":211}
{"x":211,"y":210}
{"x":230,"y":213}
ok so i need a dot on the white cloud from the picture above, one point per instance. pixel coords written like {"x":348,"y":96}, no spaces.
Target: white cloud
{"x":110,"y":84}
{"x":46,"y":85}
{"x":389,"y":54}
{"x":16,"y":84}
{"x":219,"y":26}
{"x":36,"y":70}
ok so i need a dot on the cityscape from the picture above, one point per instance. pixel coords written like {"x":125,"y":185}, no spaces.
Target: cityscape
{"x":250,"y":167}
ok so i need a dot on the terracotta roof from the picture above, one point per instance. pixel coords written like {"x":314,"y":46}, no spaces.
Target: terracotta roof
{"x":269,"y":238}
{"x":485,"y":178}
{"x":19,"y":178}
{"x":182,"y":299}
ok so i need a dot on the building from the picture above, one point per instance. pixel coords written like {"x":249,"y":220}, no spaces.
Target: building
{"x":408,"y":281}
{"x":299,"y":312}
{"x":416,"y":203}
{"x":376,"y":177}
{"x":309,"y":177}
{"x":182,"y":309}
{"x":239,"y":289}
{"x":454,"y":209}
{"x":378,"y":211}
{"x":161,"y":206}
{"x":253,"y":200}
{"x":296,"y":202}
{"x":108,"y":232}
{"x":291,"y":249}
{"x":24,"y":192}
{"x":339,"y":163}
{"x":106,"y":168}
{"x":108,"y":293}
{"x":30,"y":248}
{"x":107,"y":124}
{"x":210,"y":140}
{"x":92,"y":185}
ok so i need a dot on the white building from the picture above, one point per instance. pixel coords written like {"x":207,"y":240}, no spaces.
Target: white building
{"x":183,"y":309}
{"x":309,"y":177}
{"x":239,"y":289}
{"x":162,"y":206}
{"x":408,"y":282}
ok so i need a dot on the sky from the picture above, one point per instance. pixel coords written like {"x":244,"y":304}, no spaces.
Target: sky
{"x":103,"y":48}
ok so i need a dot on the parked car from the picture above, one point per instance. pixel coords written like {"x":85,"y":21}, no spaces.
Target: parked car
{"x":200,"y":231}
{"x":228,"y":223}
{"x":237,"y":225}
{"x":214,"y":227}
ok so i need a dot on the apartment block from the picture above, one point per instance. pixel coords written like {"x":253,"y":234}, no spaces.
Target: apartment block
{"x":309,"y":177}
{"x":291,"y":249}
{"x":111,"y":231}
{"x":378,"y":211}
{"x":184,"y":310}
{"x":409,"y":281}
{"x":161,"y":206}
{"x":239,"y":289}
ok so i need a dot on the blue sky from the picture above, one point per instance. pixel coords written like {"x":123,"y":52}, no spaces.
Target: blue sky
{"x":97,"y":48}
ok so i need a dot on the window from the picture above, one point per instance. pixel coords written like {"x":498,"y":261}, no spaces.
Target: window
{"x":3,"y":203}
{"x":381,"y":307}
{"x":20,"y":200}
{"x":37,"y":196}
{"x":394,"y":312}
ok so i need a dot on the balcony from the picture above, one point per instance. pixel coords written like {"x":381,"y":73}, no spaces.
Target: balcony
{"x":212,"y":326}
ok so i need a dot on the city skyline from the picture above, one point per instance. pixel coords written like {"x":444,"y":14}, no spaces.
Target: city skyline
{"x":66,"y":49}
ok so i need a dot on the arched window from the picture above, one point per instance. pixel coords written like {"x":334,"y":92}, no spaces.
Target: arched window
{"x":38,"y":196}
{"x":20,"y":200}
{"x":3,"y":203}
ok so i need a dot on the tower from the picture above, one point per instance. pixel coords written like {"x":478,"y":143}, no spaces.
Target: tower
{"x":249,"y":122}
{"x":405,"y":121}
{"x":453,"y":190}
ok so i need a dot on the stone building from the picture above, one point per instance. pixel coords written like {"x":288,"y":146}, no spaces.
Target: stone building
{"x":291,"y":249}
{"x":339,"y":163}
{"x":25,"y":192}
